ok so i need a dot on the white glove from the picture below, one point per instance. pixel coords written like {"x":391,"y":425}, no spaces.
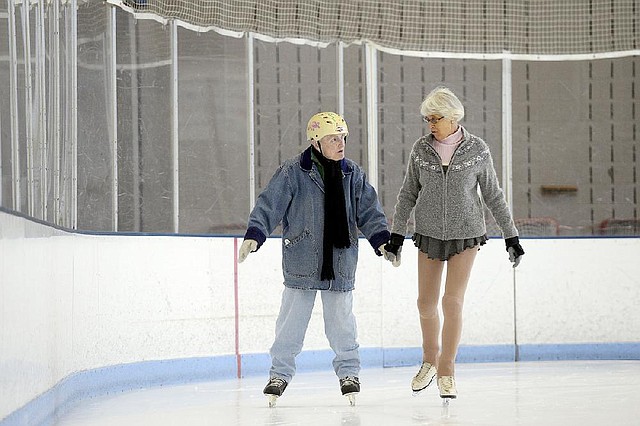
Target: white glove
{"x":514,"y":249}
{"x":394,"y":259}
{"x":513,"y":256}
{"x":247,"y":247}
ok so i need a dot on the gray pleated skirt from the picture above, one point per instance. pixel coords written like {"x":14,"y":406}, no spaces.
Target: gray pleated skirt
{"x":443,"y":250}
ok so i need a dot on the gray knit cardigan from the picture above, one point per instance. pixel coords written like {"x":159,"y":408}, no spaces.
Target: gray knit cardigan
{"x":448,"y":205}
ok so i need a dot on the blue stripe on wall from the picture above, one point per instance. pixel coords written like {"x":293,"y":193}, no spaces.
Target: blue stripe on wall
{"x":121,"y":378}
{"x":592,"y":351}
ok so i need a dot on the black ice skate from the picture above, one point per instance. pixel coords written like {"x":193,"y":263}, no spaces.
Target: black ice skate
{"x":350,"y":386}
{"x":274,"y":389}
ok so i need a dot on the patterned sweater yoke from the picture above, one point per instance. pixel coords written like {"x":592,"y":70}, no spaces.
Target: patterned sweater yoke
{"x":451,"y":205}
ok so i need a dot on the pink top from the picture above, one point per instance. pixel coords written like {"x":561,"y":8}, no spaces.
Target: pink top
{"x":449,"y":144}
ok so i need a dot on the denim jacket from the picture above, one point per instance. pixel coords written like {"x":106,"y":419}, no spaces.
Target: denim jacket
{"x":447,"y":205}
{"x":295,"y":197}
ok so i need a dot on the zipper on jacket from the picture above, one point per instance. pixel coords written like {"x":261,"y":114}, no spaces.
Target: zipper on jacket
{"x":445,"y":186}
{"x":444,"y":189}
{"x":444,"y":202}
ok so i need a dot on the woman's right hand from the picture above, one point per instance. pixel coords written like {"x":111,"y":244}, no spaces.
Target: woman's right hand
{"x":393,"y":249}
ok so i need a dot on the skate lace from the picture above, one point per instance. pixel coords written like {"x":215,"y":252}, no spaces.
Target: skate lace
{"x":446,"y":383}
{"x":350,"y":380}
{"x":424,"y":369}
{"x":277,"y":382}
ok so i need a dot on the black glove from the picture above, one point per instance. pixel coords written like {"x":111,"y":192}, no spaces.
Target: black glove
{"x":514,"y":249}
{"x":393,"y":249}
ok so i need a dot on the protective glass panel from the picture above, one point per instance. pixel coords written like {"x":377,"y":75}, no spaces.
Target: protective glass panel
{"x":292,"y":83}
{"x":212,"y":105}
{"x":67,"y":193}
{"x":5,"y":110}
{"x":26,"y":77}
{"x":575,"y":147}
{"x":95,"y":165}
{"x":37,"y":156}
{"x":54,"y":35}
{"x":355,"y":104}
{"x":145,"y":159}
{"x":574,"y":135}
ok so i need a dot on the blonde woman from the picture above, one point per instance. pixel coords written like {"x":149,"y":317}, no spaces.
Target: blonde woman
{"x":445,"y":170}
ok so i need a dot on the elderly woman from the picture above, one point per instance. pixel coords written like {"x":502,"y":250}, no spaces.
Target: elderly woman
{"x":323,"y":201}
{"x":445,"y":170}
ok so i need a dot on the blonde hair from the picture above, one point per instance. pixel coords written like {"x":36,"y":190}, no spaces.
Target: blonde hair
{"x":442,"y":101}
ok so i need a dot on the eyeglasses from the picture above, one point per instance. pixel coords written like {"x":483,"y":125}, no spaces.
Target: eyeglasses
{"x":431,"y":120}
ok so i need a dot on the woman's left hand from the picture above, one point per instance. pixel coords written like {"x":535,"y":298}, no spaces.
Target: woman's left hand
{"x":514,"y":249}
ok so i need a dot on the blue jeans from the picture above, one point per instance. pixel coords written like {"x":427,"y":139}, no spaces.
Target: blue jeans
{"x":291,"y":327}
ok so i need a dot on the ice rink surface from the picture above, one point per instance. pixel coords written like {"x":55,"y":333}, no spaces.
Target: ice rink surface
{"x":525,"y":393}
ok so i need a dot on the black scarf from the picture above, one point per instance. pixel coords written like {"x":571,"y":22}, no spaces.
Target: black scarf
{"x":336,"y":227}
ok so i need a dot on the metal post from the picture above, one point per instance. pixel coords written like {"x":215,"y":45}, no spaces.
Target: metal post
{"x":15,"y":133}
{"x":251,"y":121}
{"x":175,"y":145}
{"x":73,"y":102}
{"x":41,"y":91}
{"x":112,"y":97}
{"x":507,"y":131}
{"x":135,"y":124}
{"x":65,"y":158}
{"x":55,"y":95}
{"x":1,"y":175}
{"x":28,"y":128}
{"x":507,"y":172}
{"x":340,"y":76}
{"x":371,"y":68}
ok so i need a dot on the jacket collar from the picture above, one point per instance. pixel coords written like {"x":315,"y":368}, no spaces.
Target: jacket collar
{"x":306,"y":163}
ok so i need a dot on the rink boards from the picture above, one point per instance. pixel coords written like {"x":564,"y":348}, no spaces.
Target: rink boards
{"x":84,"y":314}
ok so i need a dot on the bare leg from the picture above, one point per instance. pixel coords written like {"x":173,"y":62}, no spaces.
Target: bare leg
{"x":458,"y":273}
{"x":429,"y":280}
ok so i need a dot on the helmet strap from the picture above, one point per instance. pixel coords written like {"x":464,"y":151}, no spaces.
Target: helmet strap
{"x":316,"y":145}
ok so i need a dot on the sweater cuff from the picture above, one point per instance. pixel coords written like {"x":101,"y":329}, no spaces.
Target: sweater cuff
{"x":379,"y":239}
{"x":255,"y":234}
{"x":510,"y":242}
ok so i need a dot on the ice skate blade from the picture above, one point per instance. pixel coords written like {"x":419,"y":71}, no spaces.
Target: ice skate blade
{"x":444,"y":411}
{"x":419,"y":391}
{"x":446,"y":400}
{"x":271,"y":400}
{"x":351,"y":397}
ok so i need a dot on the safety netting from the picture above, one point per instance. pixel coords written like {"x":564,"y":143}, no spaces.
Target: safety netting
{"x":530,"y":27}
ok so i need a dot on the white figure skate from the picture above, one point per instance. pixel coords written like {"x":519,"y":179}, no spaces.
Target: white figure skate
{"x":447,"y":387}
{"x":423,"y":378}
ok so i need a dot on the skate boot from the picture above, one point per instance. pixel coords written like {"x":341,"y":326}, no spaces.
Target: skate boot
{"x":350,"y":386}
{"x":423,"y":378}
{"x":447,"y":386}
{"x":274,"y":389}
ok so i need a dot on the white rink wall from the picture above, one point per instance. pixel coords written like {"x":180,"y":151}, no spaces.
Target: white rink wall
{"x":72,"y":303}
